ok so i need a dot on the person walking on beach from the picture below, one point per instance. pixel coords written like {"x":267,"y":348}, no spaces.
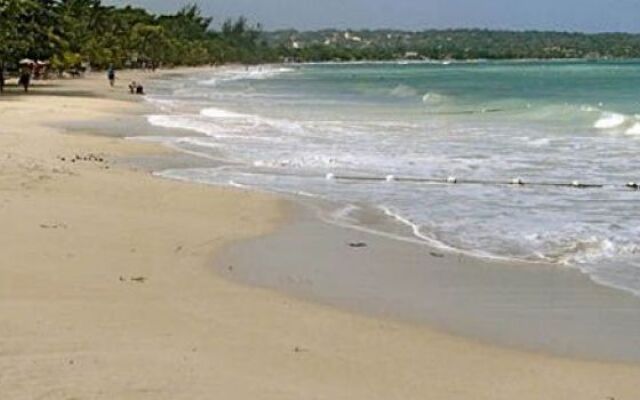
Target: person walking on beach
{"x":25,"y":78}
{"x":111,"y":74}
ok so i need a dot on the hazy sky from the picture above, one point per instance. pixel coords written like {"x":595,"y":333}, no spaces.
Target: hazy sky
{"x":574,"y":15}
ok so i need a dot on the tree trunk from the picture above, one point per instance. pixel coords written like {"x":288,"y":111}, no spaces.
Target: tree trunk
{"x":1,"y":76}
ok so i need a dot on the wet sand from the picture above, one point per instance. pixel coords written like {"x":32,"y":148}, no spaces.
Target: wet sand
{"x":536,"y":307}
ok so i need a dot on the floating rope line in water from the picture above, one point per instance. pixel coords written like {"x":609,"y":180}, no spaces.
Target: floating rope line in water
{"x":455,"y":181}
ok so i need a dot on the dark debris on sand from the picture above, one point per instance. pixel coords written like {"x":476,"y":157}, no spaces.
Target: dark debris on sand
{"x":89,"y":157}
{"x":137,"y":279}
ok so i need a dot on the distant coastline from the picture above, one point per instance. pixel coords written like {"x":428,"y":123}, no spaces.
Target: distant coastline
{"x":454,"y":44}
{"x":74,"y":37}
{"x":460,"y":61}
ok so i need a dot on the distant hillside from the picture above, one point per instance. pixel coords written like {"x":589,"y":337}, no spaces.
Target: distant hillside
{"x":449,"y":44}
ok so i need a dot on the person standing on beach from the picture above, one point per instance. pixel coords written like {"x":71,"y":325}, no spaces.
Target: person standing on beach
{"x":25,"y":78}
{"x":1,"y":78}
{"x":111,"y":74}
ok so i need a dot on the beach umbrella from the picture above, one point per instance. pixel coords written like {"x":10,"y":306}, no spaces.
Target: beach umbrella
{"x":27,"y":61}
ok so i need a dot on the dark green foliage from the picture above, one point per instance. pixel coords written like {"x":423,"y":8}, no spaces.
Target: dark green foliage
{"x":73,"y":34}
{"x":76,"y":33}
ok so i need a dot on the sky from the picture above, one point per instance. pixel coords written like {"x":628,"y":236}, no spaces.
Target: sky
{"x":565,"y":15}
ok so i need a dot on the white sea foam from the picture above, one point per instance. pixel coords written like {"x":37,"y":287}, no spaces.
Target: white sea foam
{"x":634,"y":129}
{"x":213,"y":112}
{"x":191,"y":123}
{"x":432,"y":98}
{"x":237,"y":185}
{"x":199,"y":143}
{"x":251,"y":73}
{"x":344,"y":213}
{"x":415,"y":228}
{"x":403,"y":91}
{"x":253,"y":121}
{"x":176,"y":122}
{"x":541,"y":142}
{"x":301,"y":160}
{"x":588,"y":108}
{"x":165,"y":105}
{"x":417,"y":232}
{"x":610,"y":120}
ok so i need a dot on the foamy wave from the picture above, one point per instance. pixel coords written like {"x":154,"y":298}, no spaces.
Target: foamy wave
{"x":254,"y":73}
{"x":581,"y":247}
{"x":175,"y":122}
{"x":165,"y":105}
{"x":220,"y":113}
{"x":253,"y":121}
{"x":587,"y":253}
{"x":237,"y":185}
{"x":588,"y":108}
{"x":542,"y":142}
{"x":191,"y":123}
{"x":634,"y":130}
{"x":345,"y":213}
{"x":432,"y":98}
{"x":199,"y":143}
{"x":610,"y":121}
{"x":415,"y":228}
{"x":304,"y":161}
{"x":417,"y":232}
{"x":403,"y":91}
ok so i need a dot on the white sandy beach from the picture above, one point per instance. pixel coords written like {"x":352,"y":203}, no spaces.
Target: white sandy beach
{"x":107,"y":290}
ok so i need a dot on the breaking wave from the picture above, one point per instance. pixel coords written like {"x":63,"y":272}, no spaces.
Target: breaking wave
{"x":249,"y":73}
{"x":610,"y":120}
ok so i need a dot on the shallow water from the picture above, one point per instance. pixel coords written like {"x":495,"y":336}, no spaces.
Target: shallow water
{"x":286,"y":128}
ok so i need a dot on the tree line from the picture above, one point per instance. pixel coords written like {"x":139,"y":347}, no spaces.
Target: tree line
{"x":73,"y":34}
{"x":457,"y":44}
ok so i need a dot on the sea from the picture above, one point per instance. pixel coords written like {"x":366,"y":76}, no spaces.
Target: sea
{"x":524,"y":160}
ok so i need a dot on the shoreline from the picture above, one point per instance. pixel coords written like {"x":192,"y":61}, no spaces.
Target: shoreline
{"x":502,"y":303}
{"x":107,"y":292}
{"x":538,"y":249}
{"x":308,"y":214}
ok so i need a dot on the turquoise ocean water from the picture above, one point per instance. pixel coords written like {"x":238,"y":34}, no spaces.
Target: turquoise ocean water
{"x":286,"y":128}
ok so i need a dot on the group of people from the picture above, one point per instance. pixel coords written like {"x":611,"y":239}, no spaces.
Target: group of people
{"x":27,"y":71}
{"x":134,"y":87}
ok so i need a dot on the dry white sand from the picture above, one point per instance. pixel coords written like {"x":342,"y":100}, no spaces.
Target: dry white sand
{"x":106,"y":292}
